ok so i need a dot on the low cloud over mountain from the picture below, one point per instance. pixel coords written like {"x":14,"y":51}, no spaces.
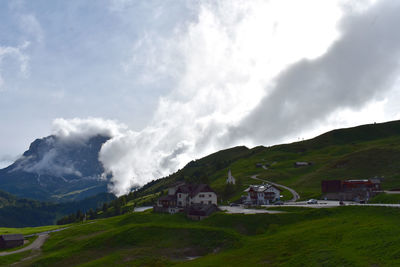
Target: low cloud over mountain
{"x":230,"y":73}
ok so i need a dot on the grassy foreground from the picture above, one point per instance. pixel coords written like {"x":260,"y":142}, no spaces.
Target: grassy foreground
{"x":344,"y":236}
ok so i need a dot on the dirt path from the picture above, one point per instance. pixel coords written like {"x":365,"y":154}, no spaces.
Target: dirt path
{"x":37,"y":244}
{"x":296,"y":196}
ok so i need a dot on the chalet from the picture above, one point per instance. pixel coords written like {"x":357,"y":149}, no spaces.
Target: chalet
{"x":351,"y":190}
{"x":11,"y":241}
{"x":183,"y":196}
{"x":262,"y":194}
{"x":230,"y":179}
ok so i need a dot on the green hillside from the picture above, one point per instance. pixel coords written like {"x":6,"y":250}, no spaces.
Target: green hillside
{"x":354,"y":153}
{"x":343,"y":236}
{"x":21,"y":212}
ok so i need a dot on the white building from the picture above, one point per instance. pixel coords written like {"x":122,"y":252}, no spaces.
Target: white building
{"x":188,"y":195}
{"x":262,"y":194}
{"x":231,"y":179}
{"x":183,"y":196}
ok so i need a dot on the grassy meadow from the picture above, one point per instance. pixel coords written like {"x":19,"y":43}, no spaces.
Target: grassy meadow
{"x":343,"y":236}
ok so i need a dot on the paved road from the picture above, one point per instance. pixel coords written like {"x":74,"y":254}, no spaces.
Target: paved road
{"x":334,"y":203}
{"x":296,"y":196}
{"x":50,"y":231}
{"x":37,"y":244}
{"x":242,"y":210}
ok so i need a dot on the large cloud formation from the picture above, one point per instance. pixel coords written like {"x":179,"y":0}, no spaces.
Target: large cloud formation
{"x":361,"y":66}
{"x":250,"y":72}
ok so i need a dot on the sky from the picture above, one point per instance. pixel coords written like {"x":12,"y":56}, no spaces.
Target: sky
{"x":174,"y":80}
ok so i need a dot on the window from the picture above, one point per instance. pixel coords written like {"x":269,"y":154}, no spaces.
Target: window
{"x":201,"y":202}
{"x":209,"y":202}
{"x":201,"y":195}
{"x":209,"y":195}
{"x":179,"y":195}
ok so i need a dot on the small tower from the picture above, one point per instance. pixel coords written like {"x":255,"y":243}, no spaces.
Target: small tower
{"x":231,"y":179}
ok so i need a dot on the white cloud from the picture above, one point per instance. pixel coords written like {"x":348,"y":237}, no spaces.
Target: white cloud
{"x":7,"y":160}
{"x":83,"y":129}
{"x":9,"y":54}
{"x":222,"y":65}
{"x":50,"y":157}
{"x":358,"y":69}
{"x":30,"y":25}
{"x":48,"y":164}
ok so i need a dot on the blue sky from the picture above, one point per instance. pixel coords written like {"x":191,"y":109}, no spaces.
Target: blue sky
{"x":74,"y":52}
{"x":176,"y":80}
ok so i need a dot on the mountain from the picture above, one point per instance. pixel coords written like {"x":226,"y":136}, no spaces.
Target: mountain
{"x":57,"y":169}
{"x":61,"y":170}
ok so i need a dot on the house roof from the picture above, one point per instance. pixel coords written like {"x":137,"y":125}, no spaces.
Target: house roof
{"x":12,"y":237}
{"x":186,"y":188}
{"x":193,"y":190}
{"x":261,"y":188}
{"x":200,"y":189}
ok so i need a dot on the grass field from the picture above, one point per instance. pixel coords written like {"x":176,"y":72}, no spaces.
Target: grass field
{"x":343,"y":236}
{"x":386,"y":198}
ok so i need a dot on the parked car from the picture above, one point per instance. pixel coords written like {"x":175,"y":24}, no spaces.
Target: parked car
{"x":278,"y":202}
{"x":234,"y":205}
{"x":312,"y":201}
{"x":341,"y":203}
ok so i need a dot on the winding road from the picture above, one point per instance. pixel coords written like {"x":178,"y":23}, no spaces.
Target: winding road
{"x":296,"y":195}
{"x":37,"y":244}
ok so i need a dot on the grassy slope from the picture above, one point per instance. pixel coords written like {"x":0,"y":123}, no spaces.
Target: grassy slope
{"x":144,"y":238}
{"x":386,"y":198}
{"x":344,"y":236}
{"x":355,"y":153}
{"x":338,"y":237}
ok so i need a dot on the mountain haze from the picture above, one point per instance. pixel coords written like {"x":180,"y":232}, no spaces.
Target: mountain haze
{"x":56,"y":169}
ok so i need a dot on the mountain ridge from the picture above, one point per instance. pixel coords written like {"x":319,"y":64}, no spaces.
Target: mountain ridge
{"x":53,"y":169}
{"x":358,"y":152}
